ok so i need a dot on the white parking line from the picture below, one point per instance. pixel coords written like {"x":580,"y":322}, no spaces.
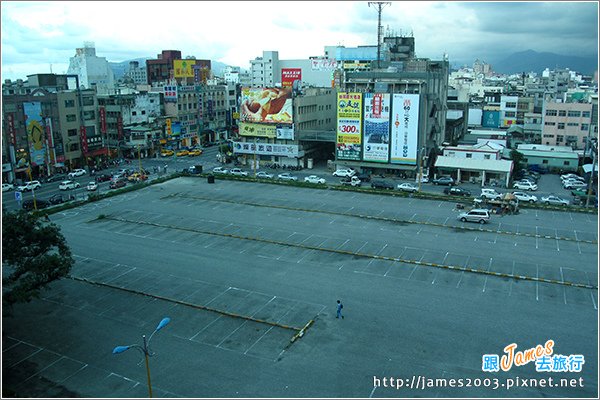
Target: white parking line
{"x":203,"y":329}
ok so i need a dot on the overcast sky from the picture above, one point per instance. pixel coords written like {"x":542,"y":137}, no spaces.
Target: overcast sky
{"x":37,"y":34}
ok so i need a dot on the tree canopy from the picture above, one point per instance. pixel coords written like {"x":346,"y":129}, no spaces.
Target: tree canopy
{"x":34,"y":253}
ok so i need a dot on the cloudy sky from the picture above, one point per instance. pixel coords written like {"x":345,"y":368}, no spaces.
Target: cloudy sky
{"x":36,"y":35}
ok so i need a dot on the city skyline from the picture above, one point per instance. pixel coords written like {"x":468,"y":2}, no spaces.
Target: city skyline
{"x":36,"y":35}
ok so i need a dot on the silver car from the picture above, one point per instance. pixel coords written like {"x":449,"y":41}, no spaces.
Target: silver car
{"x":480,"y":215}
{"x":286,"y":176}
{"x":555,"y":200}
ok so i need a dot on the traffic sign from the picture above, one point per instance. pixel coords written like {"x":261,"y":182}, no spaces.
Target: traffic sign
{"x":18,"y":196}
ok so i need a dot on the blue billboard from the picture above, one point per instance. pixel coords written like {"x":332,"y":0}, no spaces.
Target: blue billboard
{"x":491,"y":119}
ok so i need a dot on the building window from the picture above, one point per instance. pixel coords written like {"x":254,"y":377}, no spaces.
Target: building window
{"x":560,"y":138}
{"x":133,"y":113}
{"x":572,"y":124}
{"x":469,"y":155}
{"x":510,"y":114}
{"x":72,"y":132}
{"x":511,"y":105}
{"x":575,"y":114}
{"x":89,"y":115}
{"x":524,"y":160}
{"x":71,"y":117}
{"x":88,"y":101}
{"x":551,"y":113}
{"x":69,"y":103}
{"x":585,"y":114}
{"x":585,"y":127}
{"x":486,"y":156}
{"x":550,"y":123}
{"x":544,"y":161}
{"x":561,"y":125}
{"x":562,"y":113}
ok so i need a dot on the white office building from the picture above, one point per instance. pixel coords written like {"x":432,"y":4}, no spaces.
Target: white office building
{"x":93,"y":71}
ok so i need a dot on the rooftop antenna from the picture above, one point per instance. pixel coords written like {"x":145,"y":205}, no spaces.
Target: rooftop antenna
{"x":379,"y":5}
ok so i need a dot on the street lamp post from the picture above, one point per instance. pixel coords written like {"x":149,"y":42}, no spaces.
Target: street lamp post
{"x":145,"y":349}
{"x":421,"y":167}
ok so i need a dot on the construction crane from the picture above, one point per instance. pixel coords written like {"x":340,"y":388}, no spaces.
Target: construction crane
{"x":379,"y":6}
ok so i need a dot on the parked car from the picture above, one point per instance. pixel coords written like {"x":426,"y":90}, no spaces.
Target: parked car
{"x":456,"y":191}
{"x":525,"y":185}
{"x":570,"y":176}
{"x":582,"y":192}
{"x":351,"y":181}
{"x":103,"y":178}
{"x":555,"y":200}
{"x":475,"y":215}
{"x":364,"y":177}
{"x":220,"y":170}
{"x":238,"y":172}
{"x":194,"y":153}
{"x":7,"y":186}
{"x":572,"y":179}
{"x":345,"y":172}
{"x":56,"y":199}
{"x":382,"y":185}
{"x":407,"y":187}
{"x":443,"y":180}
{"x":182,"y":153}
{"x":263,"y":175}
{"x":119,"y":183}
{"x":574,"y":184}
{"x":286,"y":176}
{"x":77,"y":172}
{"x":30,"y":185}
{"x":167,"y":153}
{"x":137,"y":177}
{"x":528,"y":178}
{"x":91,"y":186}
{"x":537,"y":168}
{"x":39,"y":204}
{"x":56,"y":178}
{"x":522,"y":196}
{"x":424,"y":179}
{"x":490,"y":194}
{"x":314,"y":179}
{"x":68,"y":185}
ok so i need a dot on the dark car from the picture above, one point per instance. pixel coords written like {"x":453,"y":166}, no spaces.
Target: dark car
{"x":364,"y":177}
{"x":443,"y":180}
{"x":56,"y":199}
{"x":103,"y":178}
{"x":28,"y":204}
{"x":119,"y":183}
{"x":56,"y":178}
{"x":382,"y":185}
{"x":456,"y":191}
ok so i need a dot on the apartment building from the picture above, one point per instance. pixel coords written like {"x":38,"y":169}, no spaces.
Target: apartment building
{"x":566,"y":124}
{"x":93,"y":71}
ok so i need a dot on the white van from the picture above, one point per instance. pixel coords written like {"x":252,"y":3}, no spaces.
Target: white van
{"x":480,"y":215}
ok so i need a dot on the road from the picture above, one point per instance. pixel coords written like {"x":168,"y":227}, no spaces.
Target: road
{"x":241,"y":267}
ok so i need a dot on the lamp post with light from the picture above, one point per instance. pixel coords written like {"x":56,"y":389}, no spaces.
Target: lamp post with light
{"x":145,"y":349}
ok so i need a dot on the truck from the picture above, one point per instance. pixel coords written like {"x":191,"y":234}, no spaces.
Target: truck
{"x":351,"y":180}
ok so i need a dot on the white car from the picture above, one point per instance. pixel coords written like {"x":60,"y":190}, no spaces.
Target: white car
{"x":574,"y":184}
{"x":525,"y":185}
{"x":263,"y":175}
{"x":91,"y":186}
{"x":220,"y":170}
{"x":238,"y":172}
{"x":570,"y":176}
{"x":490,"y":194}
{"x":31,"y":185}
{"x":286,"y":176}
{"x":522,"y":196}
{"x":68,"y":185}
{"x":344,"y":172}
{"x":407,"y":187}
{"x":424,"y":179}
{"x":314,"y":179}
{"x":77,"y":172}
{"x":7,"y":186}
{"x":555,"y":200}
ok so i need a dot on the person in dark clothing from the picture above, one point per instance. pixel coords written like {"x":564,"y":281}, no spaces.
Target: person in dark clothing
{"x":339,"y":309}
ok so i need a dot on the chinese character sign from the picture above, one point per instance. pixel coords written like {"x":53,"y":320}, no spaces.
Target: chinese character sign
{"x":405,"y":128}
{"x":377,"y":127}
{"x":35,"y":132}
{"x":289,"y":75}
{"x":349,"y":118}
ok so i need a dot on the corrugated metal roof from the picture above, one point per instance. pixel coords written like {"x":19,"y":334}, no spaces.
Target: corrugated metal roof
{"x":474,"y":164}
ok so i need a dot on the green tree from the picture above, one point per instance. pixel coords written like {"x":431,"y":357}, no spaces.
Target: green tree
{"x":34,"y":253}
{"x":517,"y":158}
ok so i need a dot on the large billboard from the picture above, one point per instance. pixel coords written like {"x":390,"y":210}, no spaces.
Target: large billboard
{"x":491,"y":119}
{"x":289,"y":75}
{"x":183,"y":68}
{"x":376,"y":143}
{"x":35,"y":132}
{"x":258,"y":130}
{"x":267,"y":105}
{"x":267,"y":149}
{"x":405,"y":128}
{"x":349,"y":113}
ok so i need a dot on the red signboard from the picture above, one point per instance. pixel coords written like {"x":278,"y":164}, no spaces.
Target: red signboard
{"x":102,"y":119}
{"x":289,"y":75}
{"x":376,"y":111}
{"x":10,"y":119}
{"x":120,"y":126}
{"x":84,"y":145}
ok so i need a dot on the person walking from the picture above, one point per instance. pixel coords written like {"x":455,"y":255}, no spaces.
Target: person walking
{"x":339,"y":309}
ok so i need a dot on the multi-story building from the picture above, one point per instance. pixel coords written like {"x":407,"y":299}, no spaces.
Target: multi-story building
{"x":270,"y":71}
{"x":508,"y":110}
{"x":137,"y":74}
{"x":160,"y":70}
{"x":566,"y":124}
{"x":93,"y":71}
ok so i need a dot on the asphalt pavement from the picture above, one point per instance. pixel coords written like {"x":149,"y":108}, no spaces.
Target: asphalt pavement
{"x":249,"y":274}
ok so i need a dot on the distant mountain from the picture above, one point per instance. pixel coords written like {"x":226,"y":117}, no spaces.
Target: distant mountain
{"x":529,"y":60}
{"x":119,"y":69}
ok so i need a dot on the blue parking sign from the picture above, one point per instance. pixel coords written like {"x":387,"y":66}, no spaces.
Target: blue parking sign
{"x":18,"y":196}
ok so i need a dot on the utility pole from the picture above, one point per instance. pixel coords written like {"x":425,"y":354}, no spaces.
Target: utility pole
{"x":379,"y":5}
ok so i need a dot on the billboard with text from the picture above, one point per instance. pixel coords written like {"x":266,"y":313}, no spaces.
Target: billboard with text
{"x":35,"y":132}
{"x":267,"y":105}
{"x":349,"y":122}
{"x":289,"y":75}
{"x":376,"y":127}
{"x":405,"y":129}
